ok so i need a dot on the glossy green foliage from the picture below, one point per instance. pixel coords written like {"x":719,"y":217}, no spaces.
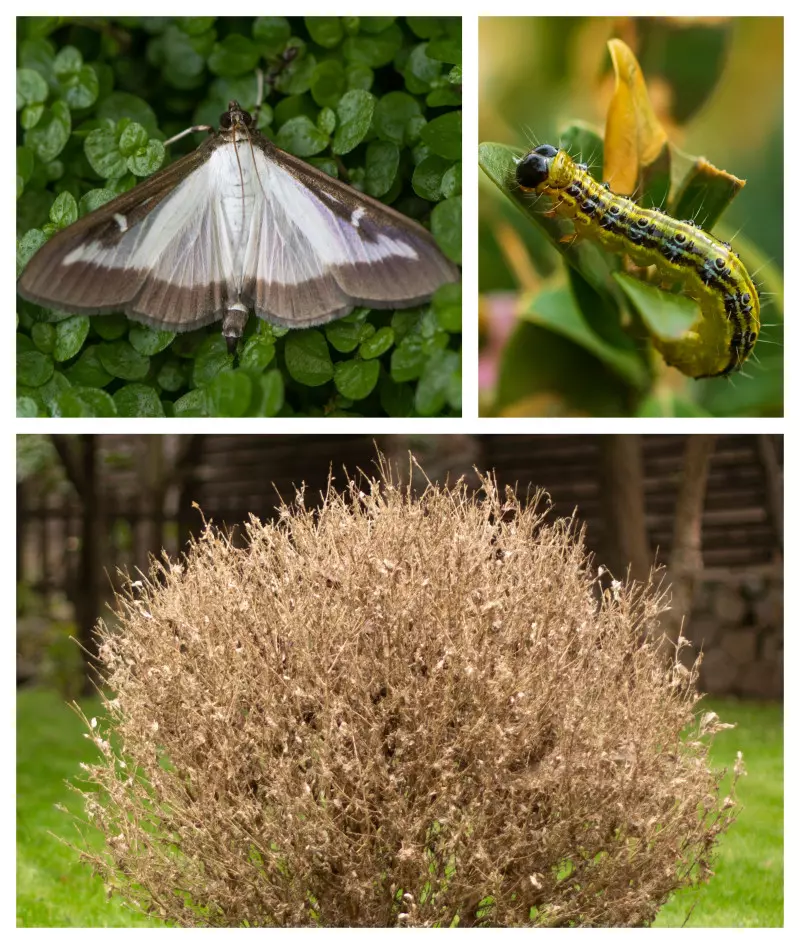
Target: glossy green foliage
{"x":375,"y":101}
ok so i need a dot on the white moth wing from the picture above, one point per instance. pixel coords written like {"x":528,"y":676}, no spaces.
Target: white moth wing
{"x":247,"y":224}
{"x":312,"y":253}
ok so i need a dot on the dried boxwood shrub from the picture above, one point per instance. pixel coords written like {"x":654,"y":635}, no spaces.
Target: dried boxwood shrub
{"x":398,"y":710}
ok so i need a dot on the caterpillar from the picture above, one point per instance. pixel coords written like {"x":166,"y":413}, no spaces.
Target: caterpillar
{"x":706,"y":269}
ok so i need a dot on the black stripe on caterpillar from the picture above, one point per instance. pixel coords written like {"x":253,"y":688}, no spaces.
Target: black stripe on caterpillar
{"x":706,"y":269}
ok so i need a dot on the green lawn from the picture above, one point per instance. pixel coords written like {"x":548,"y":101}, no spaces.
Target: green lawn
{"x":55,"y":890}
{"x":747,"y":889}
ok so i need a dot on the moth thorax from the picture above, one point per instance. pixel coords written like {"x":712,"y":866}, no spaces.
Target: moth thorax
{"x":233,"y":324}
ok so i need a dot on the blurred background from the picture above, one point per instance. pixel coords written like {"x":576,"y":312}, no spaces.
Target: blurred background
{"x":716,"y":84}
{"x":709,"y":508}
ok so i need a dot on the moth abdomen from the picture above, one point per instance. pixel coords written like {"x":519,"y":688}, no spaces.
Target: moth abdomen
{"x":703,"y":267}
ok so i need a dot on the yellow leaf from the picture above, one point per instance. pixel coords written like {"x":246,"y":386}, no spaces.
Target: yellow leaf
{"x":634,"y":136}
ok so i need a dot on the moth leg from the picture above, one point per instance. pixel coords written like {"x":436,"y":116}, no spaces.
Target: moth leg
{"x":182,"y":134}
{"x":570,"y":238}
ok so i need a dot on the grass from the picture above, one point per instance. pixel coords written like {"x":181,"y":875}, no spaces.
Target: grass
{"x":747,"y":889}
{"x":54,"y":889}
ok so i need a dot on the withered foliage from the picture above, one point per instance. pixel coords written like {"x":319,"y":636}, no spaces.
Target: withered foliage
{"x":399,"y":710}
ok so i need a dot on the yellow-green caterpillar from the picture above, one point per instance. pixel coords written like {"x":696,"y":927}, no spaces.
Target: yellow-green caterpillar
{"x":707,"y":269}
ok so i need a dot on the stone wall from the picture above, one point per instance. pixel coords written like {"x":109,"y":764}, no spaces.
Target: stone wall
{"x":737,"y":620}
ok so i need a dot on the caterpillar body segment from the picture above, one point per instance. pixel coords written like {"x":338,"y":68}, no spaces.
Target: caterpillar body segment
{"x":705,"y":268}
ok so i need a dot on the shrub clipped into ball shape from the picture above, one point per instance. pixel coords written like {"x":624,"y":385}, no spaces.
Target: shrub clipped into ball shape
{"x":398,"y":710}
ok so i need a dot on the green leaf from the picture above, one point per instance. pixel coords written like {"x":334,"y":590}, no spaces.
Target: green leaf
{"x":376,"y":24}
{"x":446,"y":227}
{"x":228,"y":394}
{"x":148,"y":341}
{"x":212,"y":357}
{"x":31,"y":88}
{"x":138,"y":400}
{"x":195,"y":25}
{"x":343,"y":335}
{"x":328,"y":83}
{"x":666,"y":315}
{"x":85,"y":402}
{"x":121,"y":360}
{"x":451,"y":181}
{"x":375,"y":50}
{"x":110,"y":327}
{"x":26,"y":408}
{"x":37,"y":53}
{"x":356,"y":379}
{"x":446,"y":49}
{"x":378,"y":344}
{"x":272,"y":33}
{"x":308,"y":359}
{"x":446,"y":303}
{"x":172,"y":375}
{"x":557,"y":310}
{"x":235,"y":55}
{"x":326,"y":122}
{"x":300,"y":136}
{"x":148,"y":159}
{"x":67,"y":60}
{"x":64,"y":210}
{"x":31,"y":116}
{"x":257,"y":354}
{"x":421,"y":72}
{"x":443,"y":135}
{"x":428,"y":177}
{"x":394,"y":118}
{"x":326,"y":31}
{"x":408,"y":359}
{"x":43,"y":336}
{"x":132,"y":139}
{"x":78,"y":83}
{"x":268,"y":394}
{"x":295,"y":79}
{"x":49,"y":138}
{"x":103,"y":154}
{"x":443,"y":97}
{"x":191,"y":404}
{"x":34,"y":368}
{"x":69,"y":337}
{"x":434,"y":384}
{"x":94,"y":199}
{"x":359,"y":76}
{"x":25,"y":162}
{"x":120,"y":105}
{"x":397,"y":399}
{"x":354,"y":113}
{"x":88,"y":370}
{"x":383,"y":161}
{"x":30,"y":243}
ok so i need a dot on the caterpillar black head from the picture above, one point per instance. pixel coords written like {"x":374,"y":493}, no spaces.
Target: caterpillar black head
{"x":534,"y":168}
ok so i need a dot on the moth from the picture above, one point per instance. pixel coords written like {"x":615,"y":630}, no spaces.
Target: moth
{"x":705,"y":268}
{"x":235,"y":226}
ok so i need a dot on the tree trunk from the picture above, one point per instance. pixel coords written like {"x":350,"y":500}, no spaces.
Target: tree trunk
{"x":686,"y":559}
{"x":79,"y":457}
{"x":626,"y":544}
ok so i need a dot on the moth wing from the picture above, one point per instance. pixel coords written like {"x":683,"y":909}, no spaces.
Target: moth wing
{"x":157,"y":253}
{"x":318,"y":248}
